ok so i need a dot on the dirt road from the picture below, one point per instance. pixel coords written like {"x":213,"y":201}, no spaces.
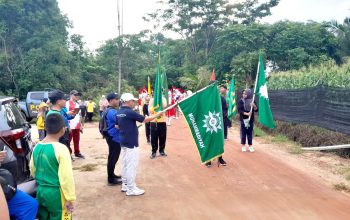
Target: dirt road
{"x":252,"y":186}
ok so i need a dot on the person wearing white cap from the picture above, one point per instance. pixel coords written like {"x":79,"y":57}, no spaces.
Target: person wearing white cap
{"x":128,"y":133}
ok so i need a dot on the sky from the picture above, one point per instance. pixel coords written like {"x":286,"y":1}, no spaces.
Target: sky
{"x":97,"y":20}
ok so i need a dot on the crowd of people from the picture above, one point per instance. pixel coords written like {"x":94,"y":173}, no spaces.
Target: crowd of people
{"x":60,"y":121}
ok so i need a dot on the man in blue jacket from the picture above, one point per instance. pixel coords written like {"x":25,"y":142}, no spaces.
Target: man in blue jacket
{"x":112,"y":138}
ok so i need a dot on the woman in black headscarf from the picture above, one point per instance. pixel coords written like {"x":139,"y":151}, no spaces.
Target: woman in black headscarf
{"x":246,"y":108}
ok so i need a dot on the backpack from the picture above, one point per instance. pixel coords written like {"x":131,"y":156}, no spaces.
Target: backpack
{"x":8,"y":184}
{"x":103,"y":123}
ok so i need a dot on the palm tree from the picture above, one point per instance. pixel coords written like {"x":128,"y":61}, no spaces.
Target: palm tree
{"x":342,"y":31}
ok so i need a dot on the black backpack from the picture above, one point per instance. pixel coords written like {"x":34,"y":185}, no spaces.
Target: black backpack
{"x":8,"y":184}
{"x":103,"y":123}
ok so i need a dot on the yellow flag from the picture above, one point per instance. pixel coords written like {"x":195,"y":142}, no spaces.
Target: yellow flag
{"x":149,"y":87}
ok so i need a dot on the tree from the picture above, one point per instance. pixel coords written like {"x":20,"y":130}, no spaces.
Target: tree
{"x":34,"y":44}
{"x":342,"y":32}
{"x":250,"y":11}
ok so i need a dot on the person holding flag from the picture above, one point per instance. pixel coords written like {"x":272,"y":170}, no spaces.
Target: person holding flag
{"x":246,"y":115}
{"x":157,"y":104}
{"x":265,"y":113}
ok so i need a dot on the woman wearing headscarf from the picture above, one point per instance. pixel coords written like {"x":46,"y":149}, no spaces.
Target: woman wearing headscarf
{"x":246,"y":109}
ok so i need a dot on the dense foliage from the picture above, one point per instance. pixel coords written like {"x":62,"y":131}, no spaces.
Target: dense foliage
{"x":36,"y":51}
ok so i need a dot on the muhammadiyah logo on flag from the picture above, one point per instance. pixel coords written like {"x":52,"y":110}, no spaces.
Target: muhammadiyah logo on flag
{"x":212,"y":122}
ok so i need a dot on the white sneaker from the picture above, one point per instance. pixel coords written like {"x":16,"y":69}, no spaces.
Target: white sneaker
{"x":135,"y":192}
{"x":124,"y":188}
{"x":251,"y":149}
{"x":244,"y":149}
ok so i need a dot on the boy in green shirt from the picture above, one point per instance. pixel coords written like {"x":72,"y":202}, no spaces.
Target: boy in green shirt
{"x":51,"y":167}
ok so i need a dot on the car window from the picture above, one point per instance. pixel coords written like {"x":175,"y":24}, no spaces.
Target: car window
{"x":37,"y":96}
{"x":10,"y":117}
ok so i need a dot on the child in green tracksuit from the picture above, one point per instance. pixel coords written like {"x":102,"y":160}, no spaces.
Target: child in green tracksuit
{"x":51,"y":167}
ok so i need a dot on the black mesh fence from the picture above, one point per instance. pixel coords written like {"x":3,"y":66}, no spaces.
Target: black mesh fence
{"x":320,"y":106}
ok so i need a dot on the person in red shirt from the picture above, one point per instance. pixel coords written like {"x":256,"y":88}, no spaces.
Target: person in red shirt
{"x":75,"y":126}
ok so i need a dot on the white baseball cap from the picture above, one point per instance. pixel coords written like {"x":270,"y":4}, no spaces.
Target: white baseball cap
{"x":127,"y":97}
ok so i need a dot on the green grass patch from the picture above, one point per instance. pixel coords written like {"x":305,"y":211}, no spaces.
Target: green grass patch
{"x":280,"y":139}
{"x":294,"y":149}
{"x":258,"y":132}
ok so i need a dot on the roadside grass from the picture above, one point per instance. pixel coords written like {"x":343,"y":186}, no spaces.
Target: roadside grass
{"x":341,"y":187}
{"x":259,"y":132}
{"x":344,"y":171}
{"x":279,"y":139}
{"x":294,"y":148}
{"x":86,"y":167}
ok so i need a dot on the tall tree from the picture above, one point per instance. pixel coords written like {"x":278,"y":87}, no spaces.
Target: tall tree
{"x":250,"y":11}
{"x":33,"y":44}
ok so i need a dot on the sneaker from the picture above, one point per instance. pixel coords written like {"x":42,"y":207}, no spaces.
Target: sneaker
{"x":153,"y":155}
{"x":251,"y":149}
{"x":124,"y":188}
{"x":135,"y":192}
{"x":244,"y":149}
{"x":162,"y":154}
{"x":79,"y":155}
{"x":222,"y":162}
{"x":208,"y":164}
{"x":113,"y":182}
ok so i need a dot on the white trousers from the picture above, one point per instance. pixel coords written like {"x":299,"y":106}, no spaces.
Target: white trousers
{"x":130,"y":161}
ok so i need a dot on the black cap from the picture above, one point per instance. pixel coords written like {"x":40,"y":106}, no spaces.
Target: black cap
{"x":75,"y":92}
{"x":56,"y":95}
{"x":112,"y":95}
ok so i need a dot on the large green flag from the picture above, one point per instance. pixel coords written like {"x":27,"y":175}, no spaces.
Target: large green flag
{"x":157,"y":96}
{"x":203,"y":114}
{"x":265,"y":113}
{"x":231,"y":100}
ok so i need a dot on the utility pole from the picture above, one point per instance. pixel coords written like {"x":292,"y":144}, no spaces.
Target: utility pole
{"x":120,"y":46}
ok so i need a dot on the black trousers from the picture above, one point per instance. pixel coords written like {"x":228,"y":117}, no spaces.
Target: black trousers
{"x":226,"y":123}
{"x":158,"y":136}
{"x":247,"y":133}
{"x":89,"y":116}
{"x":113,"y":156}
{"x":148,"y":131}
{"x":65,"y":139}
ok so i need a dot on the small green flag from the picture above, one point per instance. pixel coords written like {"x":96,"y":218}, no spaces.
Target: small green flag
{"x":231,"y":100}
{"x":203,"y":113}
{"x":157,"y":96}
{"x":265,"y":113}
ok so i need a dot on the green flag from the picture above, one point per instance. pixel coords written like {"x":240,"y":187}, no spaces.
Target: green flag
{"x":231,"y":100}
{"x":265,"y":113}
{"x":157,"y":96}
{"x":165,"y":87}
{"x":203,"y":114}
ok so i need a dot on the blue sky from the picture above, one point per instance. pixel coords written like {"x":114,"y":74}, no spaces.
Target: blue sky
{"x":97,"y":20}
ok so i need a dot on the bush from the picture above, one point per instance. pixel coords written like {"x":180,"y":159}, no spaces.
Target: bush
{"x":311,"y":136}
